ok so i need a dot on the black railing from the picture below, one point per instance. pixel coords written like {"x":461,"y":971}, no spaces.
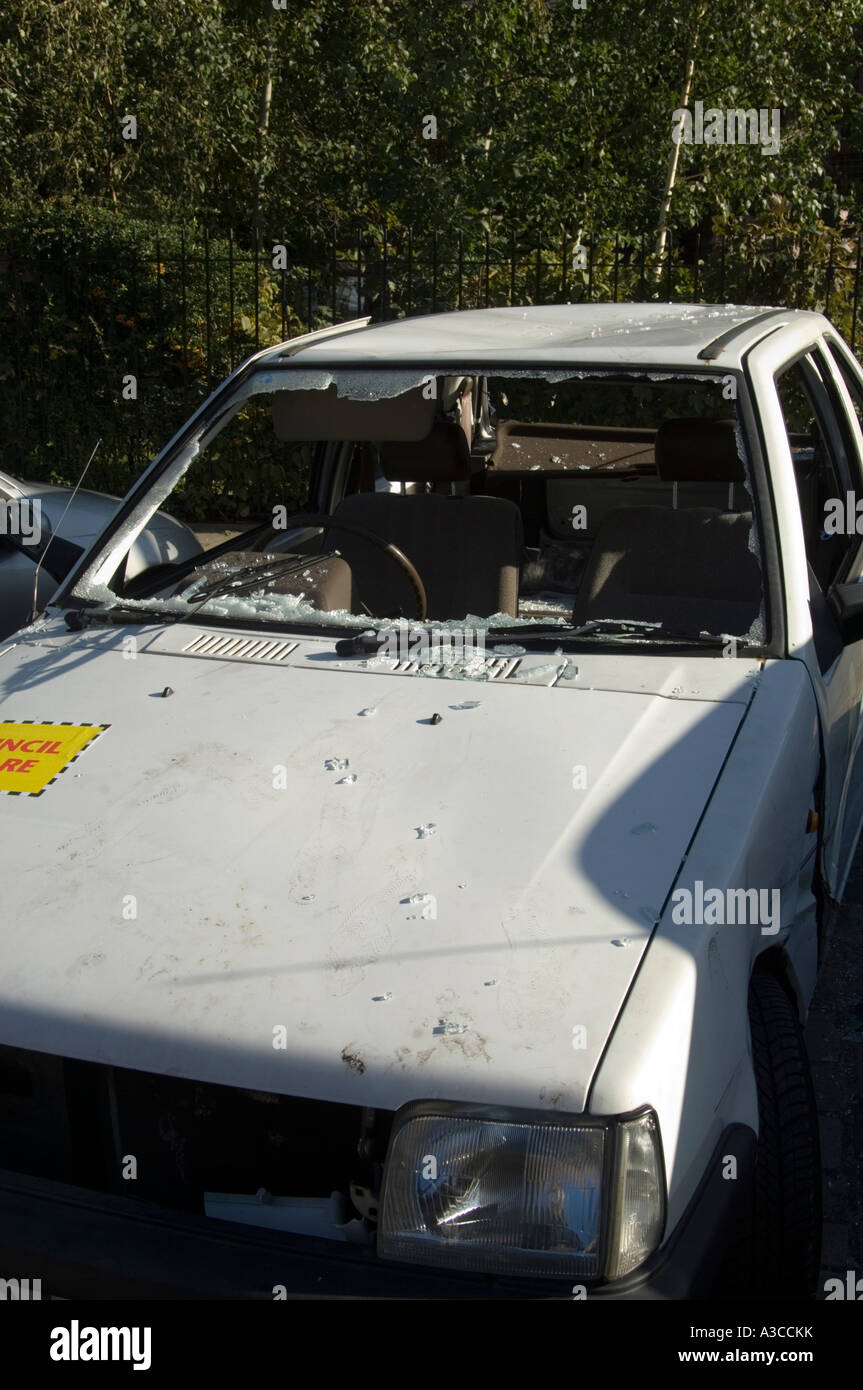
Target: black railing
{"x":178,"y":314}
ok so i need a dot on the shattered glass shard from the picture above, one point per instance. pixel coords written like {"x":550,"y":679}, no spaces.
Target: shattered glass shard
{"x":550,"y":668}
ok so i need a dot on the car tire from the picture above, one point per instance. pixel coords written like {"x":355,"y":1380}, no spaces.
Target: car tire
{"x":785,"y":1245}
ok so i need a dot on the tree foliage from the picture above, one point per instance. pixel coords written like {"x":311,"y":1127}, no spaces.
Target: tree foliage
{"x":547,"y":115}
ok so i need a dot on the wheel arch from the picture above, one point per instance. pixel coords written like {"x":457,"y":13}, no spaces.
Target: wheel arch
{"x":776,"y":962}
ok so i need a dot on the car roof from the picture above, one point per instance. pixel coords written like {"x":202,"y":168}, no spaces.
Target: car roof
{"x":650,"y":335}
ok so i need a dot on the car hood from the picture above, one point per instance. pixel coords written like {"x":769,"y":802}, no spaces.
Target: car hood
{"x":199,"y":894}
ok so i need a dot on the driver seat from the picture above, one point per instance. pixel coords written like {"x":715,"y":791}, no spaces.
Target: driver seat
{"x":467,"y":549}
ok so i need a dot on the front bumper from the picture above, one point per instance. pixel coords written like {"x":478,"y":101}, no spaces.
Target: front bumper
{"x":88,"y":1245}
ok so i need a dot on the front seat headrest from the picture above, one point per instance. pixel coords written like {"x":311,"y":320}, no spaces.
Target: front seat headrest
{"x":442,"y":457}
{"x":697,"y":450}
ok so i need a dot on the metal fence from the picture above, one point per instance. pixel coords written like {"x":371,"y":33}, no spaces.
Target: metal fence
{"x":120,"y":341}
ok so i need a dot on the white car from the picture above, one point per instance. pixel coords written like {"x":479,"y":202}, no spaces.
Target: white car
{"x":422,"y":893}
{"x":45,"y":529}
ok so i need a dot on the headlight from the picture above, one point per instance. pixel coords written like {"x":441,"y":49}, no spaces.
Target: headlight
{"x":508,"y":1192}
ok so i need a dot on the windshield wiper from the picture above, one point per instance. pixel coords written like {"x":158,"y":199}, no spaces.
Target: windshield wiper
{"x":546,"y":632}
{"x":78,"y":618}
{"x":620,"y":628}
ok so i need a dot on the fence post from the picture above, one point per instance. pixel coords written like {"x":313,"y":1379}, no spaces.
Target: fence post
{"x":410,"y":269}
{"x":207,"y":306}
{"x":697,"y":265}
{"x":231,"y":297}
{"x":385,"y":275}
{"x":284,"y":276}
{"x":434,"y":272}
{"x":487,"y":265}
{"x":333,"y":273}
{"x":134,"y":451}
{"x":828,"y":280}
{"x":856,"y":291}
{"x":512,"y":268}
{"x":616,"y":252}
{"x":461,"y":269}
{"x":159,"y":309}
{"x":538,"y":287}
{"x":185,"y":333}
{"x":257,"y":287}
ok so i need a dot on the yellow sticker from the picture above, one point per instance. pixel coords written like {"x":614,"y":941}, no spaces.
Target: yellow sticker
{"x":32,"y":755}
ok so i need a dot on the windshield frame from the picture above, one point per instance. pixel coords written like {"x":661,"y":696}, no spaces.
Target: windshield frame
{"x":152,"y":490}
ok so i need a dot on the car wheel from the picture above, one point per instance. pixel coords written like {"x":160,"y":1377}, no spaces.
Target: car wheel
{"x":785,"y":1247}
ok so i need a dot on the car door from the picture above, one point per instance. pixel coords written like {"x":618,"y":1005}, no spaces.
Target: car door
{"x":842,"y":370}
{"x":826,"y":445}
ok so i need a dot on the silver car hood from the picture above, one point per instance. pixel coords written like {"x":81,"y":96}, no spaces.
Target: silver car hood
{"x":198,"y":895}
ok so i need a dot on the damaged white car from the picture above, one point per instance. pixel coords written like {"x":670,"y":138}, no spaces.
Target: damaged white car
{"x":421,"y":892}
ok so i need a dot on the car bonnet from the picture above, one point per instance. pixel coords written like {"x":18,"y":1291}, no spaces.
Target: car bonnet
{"x":202,"y":891}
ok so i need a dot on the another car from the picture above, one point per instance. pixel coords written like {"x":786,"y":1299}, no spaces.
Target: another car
{"x":45,"y":529}
{"x":421,"y":894}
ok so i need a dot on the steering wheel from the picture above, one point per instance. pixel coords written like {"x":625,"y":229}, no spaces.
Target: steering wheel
{"x":327,"y":523}
{"x":142,"y":583}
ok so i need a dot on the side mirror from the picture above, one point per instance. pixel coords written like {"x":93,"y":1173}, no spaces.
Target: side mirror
{"x":847,"y":603}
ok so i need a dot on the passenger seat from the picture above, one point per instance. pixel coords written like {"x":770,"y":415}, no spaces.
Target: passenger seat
{"x":690,"y":569}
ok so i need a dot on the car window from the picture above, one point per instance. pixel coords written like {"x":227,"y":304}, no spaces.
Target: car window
{"x":602,"y":424}
{"x":851,"y":379}
{"x":821,"y":467}
{"x":845,"y":443}
{"x":240,"y":475}
{"x":850,"y":374}
{"x":515,"y":512}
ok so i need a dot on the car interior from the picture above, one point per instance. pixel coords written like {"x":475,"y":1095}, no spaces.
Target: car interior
{"x":441,"y":504}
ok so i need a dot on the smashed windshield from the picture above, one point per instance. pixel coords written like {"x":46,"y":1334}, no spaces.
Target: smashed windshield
{"x":598,"y":504}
